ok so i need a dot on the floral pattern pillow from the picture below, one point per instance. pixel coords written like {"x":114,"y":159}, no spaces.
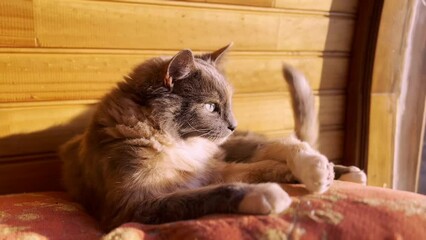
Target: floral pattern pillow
{"x":346,"y":211}
{"x":40,"y":216}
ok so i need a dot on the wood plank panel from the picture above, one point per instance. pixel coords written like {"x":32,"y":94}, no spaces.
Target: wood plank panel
{"x":330,"y":41}
{"x":17,"y":24}
{"x":54,"y":75}
{"x":162,"y":25}
{"x":255,"y":3}
{"x":42,"y":128}
{"x":263,"y":73}
{"x":38,"y":129}
{"x":36,"y":174}
{"x":269,"y":112}
{"x":331,"y":142}
{"x":346,"y":6}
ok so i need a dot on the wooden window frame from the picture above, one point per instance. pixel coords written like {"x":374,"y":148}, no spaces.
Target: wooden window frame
{"x":386,"y":93}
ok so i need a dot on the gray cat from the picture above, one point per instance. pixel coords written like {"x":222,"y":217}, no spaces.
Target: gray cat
{"x":161,"y":148}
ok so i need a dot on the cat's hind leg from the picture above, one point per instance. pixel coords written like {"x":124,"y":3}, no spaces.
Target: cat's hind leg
{"x":306,"y":164}
{"x":312,"y":168}
{"x":256,"y":172}
{"x":350,"y":174}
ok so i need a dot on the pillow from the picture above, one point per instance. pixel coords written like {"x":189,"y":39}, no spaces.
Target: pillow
{"x":346,"y":211}
{"x":50,"y":215}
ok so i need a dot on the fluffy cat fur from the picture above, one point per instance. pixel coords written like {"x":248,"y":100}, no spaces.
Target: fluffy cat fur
{"x":160,"y":147}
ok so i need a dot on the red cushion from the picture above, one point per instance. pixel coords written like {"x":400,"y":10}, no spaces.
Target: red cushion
{"x":50,"y":215}
{"x":346,"y":211}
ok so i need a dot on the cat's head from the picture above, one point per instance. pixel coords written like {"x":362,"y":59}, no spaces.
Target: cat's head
{"x":189,"y":95}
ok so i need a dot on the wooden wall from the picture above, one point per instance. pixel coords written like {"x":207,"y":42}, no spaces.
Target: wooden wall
{"x":57,"y":58}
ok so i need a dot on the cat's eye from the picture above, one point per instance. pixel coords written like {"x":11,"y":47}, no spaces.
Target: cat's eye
{"x":211,"y":107}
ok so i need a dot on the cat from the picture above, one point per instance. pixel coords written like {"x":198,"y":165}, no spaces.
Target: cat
{"x":161,"y":147}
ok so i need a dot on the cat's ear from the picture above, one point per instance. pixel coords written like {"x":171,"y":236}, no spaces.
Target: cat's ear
{"x":179,"y":67}
{"x":217,"y":56}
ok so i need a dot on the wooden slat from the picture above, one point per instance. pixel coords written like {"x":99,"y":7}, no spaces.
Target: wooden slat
{"x":63,"y":76}
{"x":349,"y":6}
{"x":256,"y":3}
{"x":263,"y":73}
{"x":17,"y":24}
{"x":40,"y":128}
{"x":43,"y":128}
{"x":37,"y":174}
{"x":162,"y":25}
{"x":269,"y":112}
{"x":331,"y":142}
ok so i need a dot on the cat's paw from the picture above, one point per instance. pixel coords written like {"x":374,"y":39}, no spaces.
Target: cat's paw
{"x":354,"y":175}
{"x":265,"y":198}
{"x":316,"y":172}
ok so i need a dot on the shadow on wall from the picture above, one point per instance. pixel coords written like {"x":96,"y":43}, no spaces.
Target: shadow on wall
{"x":358,"y":81}
{"x":25,"y":158}
{"x":331,"y":55}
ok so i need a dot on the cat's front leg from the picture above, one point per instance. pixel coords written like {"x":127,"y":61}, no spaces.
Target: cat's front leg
{"x":266,"y":198}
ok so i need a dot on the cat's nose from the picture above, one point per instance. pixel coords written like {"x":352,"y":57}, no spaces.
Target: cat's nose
{"x":230,"y":119}
{"x":232,"y":127}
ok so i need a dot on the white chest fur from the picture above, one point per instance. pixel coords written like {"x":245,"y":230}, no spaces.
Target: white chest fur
{"x":191,"y":155}
{"x":182,"y":163}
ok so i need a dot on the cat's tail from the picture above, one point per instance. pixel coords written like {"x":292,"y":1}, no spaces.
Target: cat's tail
{"x":303,"y":103}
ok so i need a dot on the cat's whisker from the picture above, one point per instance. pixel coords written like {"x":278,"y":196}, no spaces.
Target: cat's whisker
{"x":207,"y":133}
{"x":201,"y":130}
